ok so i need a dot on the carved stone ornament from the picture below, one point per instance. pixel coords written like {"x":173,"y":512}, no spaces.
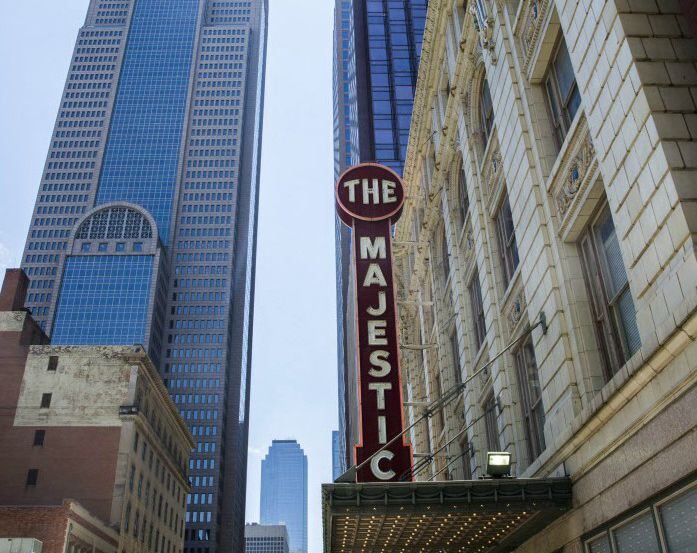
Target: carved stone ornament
{"x":485,"y":26}
{"x":534,"y":15}
{"x":574,"y":175}
{"x":516,"y":311}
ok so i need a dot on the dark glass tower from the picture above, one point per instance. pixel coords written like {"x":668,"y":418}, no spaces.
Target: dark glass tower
{"x":284,"y":491}
{"x":144,"y":229}
{"x":377,"y":45}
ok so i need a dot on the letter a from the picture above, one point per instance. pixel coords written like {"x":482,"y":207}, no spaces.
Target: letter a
{"x":374,"y":276}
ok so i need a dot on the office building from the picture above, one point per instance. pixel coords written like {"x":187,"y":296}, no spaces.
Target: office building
{"x":92,"y":447}
{"x":262,"y":538}
{"x":338,"y":462}
{"x":284,"y":491}
{"x":377,"y":45}
{"x":144,"y":229}
{"x":551,"y":286}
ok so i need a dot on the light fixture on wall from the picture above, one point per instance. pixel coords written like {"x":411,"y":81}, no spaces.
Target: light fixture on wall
{"x":498,"y":464}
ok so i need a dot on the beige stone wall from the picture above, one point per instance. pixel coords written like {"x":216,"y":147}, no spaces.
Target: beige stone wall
{"x":632,"y":143}
{"x":86,"y":389}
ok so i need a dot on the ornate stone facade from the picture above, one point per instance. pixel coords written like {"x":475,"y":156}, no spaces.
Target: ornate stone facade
{"x":626,"y":148}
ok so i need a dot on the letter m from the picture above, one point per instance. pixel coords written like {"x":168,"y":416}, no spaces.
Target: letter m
{"x":373,"y":249}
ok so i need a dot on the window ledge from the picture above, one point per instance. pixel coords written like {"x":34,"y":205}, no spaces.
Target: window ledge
{"x":629,"y":381}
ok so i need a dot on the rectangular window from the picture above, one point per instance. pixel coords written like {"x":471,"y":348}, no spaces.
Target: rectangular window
{"x":445,"y":256}
{"x":46,"y":401}
{"x":679,"y":520}
{"x":479,"y":324}
{"x":611,"y":299}
{"x":32,"y":477}
{"x":638,"y":534}
{"x":39,"y":436}
{"x":508,"y":247}
{"x":127,"y":517}
{"x":562,"y":92}
{"x":491,"y":424}
{"x":486,"y":112}
{"x":466,"y":454}
{"x":464,"y":202}
{"x":455,"y":352}
{"x":531,"y":399}
{"x":52,"y":363}
{"x":600,"y":545}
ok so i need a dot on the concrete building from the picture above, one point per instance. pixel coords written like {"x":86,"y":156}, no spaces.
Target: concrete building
{"x":377,"y":45}
{"x":284,"y":491}
{"x":263,"y":538}
{"x":144,"y":228}
{"x":90,"y":442}
{"x":551,"y":177}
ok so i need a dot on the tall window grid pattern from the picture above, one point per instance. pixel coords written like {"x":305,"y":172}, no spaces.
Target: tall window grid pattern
{"x":71,"y":168}
{"x":395,"y":30}
{"x":284,"y":491}
{"x":142,"y":153}
{"x":104,"y":300}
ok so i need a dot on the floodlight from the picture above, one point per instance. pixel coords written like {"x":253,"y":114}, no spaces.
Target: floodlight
{"x":498,"y":464}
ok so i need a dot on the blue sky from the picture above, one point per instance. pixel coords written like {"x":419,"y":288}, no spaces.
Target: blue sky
{"x":294,"y":356}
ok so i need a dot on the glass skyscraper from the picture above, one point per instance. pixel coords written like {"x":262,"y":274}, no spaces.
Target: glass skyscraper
{"x":284,"y":491}
{"x":144,"y":229}
{"x":377,"y":46}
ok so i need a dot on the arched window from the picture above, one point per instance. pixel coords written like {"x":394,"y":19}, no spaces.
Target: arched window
{"x":115,"y":222}
{"x":486,"y":111}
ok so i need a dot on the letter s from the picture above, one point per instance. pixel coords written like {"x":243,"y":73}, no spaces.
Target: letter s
{"x":379,"y":359}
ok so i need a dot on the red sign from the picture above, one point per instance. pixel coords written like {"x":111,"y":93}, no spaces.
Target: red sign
{"x":369,"y":199}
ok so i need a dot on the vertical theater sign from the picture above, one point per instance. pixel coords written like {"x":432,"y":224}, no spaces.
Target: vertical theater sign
{"x":369,"y":199}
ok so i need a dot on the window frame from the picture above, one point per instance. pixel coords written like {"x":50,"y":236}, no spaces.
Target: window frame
{"x":32,"y":478}
{"x":463,"y":201}
{"x":486,"y":116}
{"x":561,"y":123}
{"x":509,"y":256}
{"x":608,"y":327}
{"x":455,"y":354}
{"x":531,"y":407}
{"x":477,"y":312}
{"x":491,"y":424}
{"x":46,"y":400}
{"x":39,"y":438}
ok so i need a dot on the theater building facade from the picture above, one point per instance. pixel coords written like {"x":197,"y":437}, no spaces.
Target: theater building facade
{"x":548,"y":237}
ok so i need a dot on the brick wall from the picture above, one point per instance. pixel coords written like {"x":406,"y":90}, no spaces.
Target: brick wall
{"x":49,"y":525}
{"x":77,"y":462}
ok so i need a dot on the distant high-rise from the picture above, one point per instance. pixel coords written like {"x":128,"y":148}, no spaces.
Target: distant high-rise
{"x":144,"y":229}
{"x":284,"y":491}
{"x":263,"y":538}
{"x":377,"y":46}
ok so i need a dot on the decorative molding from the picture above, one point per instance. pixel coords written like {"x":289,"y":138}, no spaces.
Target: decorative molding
{"x":467,"y":244}
{"x":573,"y":174}
{"x":515,"y":308}
{"x":532,"y":18}
{"x":484,"y":22}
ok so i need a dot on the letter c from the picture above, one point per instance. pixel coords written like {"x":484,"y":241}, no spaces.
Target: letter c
{"x":375,"y":466}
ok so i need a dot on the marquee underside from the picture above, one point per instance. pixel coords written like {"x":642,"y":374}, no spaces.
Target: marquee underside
{"x":482,"y":516}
